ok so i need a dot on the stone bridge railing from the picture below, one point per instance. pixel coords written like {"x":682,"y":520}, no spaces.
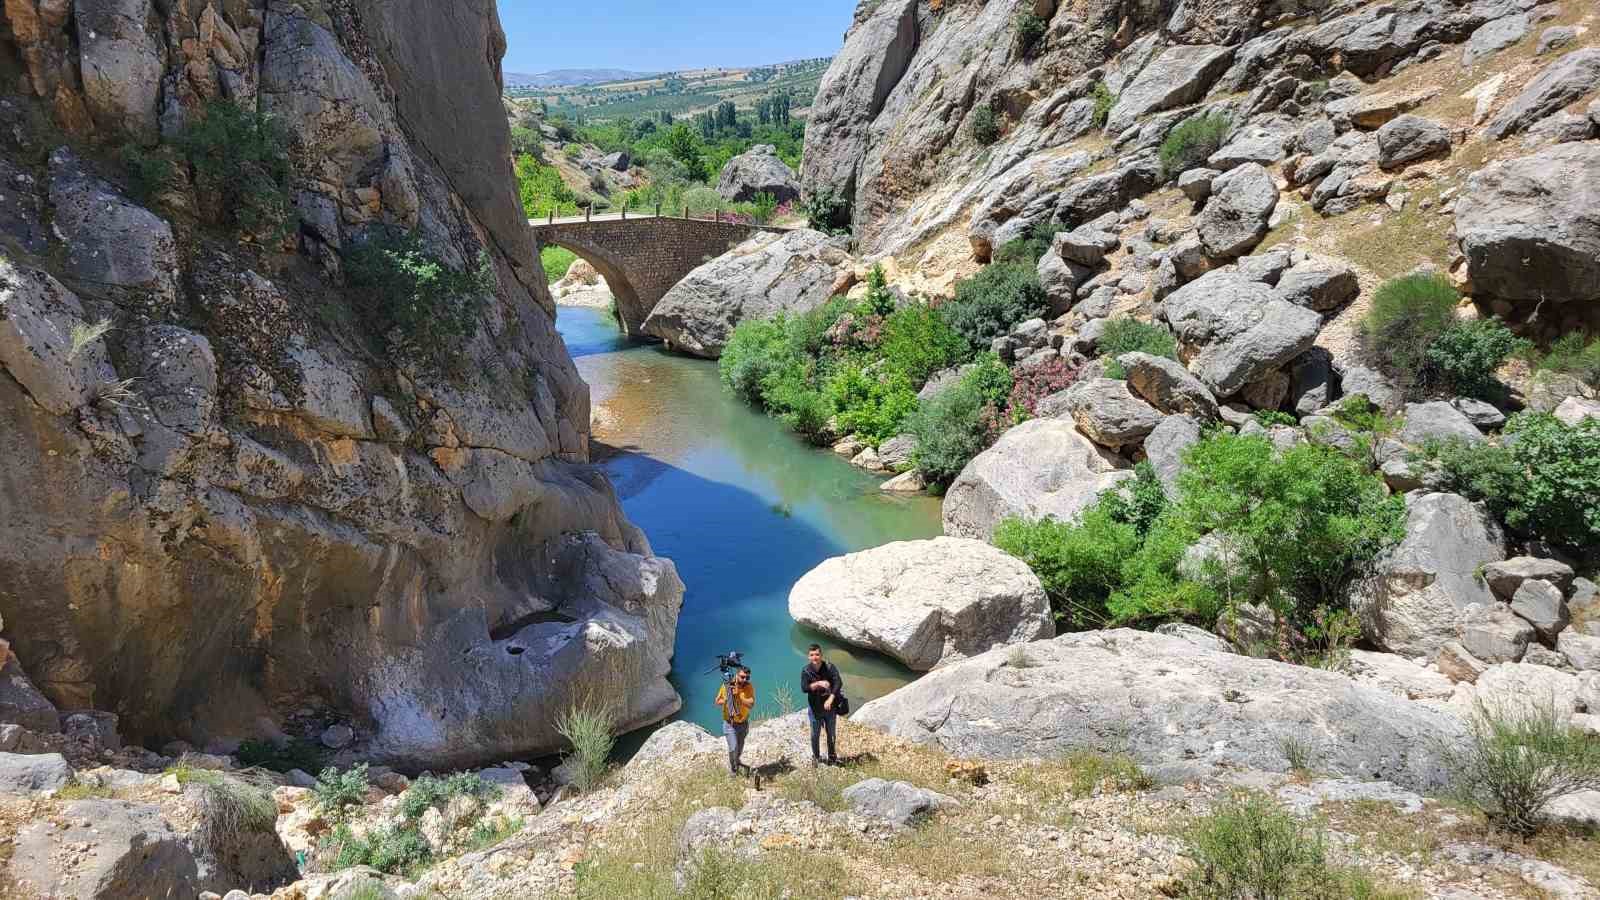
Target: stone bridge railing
{"x":642,"y":257}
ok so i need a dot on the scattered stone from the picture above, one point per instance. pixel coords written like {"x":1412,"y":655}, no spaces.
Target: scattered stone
{"x":1494,"y":634}
{"x":1493,"y":36}
{"x":20,"y":702}
{"x":758,"y":171}
{"x":1371,"y":111}
{"x":1235,"y":218}
{"x":908,"y":482}
{"x":1168,"y":386}
{"x":337,"y":737}
{"x":1164,"y":448}
{"x":21,"y":774}
{"x":1543,"y":606}
{"x":1506,"y":577}
{"x":1043,"y":467}
{"x":1303,"y":799}
{"x":1581,"y":650}
{"x":1086,"y":246}
{"x":1437,"y":421}
{"x":1414,"y":601}
{"x":1322,"y":286}
{"x":1484,"y":415}
{"x":1409,"y":138}
{"x":1573,"y":410}
{"x":1108,"y":412}
{"x":896,"y":802}
{"x":1554,"y":38}
{"x":924,"y":603}
{"x":1561,"y":83}
{"x":1457,"y":664}
{"x":1196,"y":183}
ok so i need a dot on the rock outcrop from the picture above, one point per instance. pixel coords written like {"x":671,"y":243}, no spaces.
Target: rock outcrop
{"x":1040,"y":468}
{"x":768,"y":274}
{"x":758,"y":171}
{"x":225,"y":499}
{"x":924,"y":603}
{"x":1171,"y":705}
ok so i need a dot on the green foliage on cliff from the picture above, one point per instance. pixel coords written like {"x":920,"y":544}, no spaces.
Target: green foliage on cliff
{"x":1575,"y":355}
{"x":541,"y":189}
{"x":242,"y":155}
{"x":955,"y":425}
{"x":1104,"y":100}
{"x":1125,"y":334}
{"x":423,"y":307}
{"x":996,"y":300}
{"x":984,"y":125}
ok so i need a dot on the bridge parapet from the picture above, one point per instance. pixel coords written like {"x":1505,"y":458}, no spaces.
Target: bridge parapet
{"x":642,"y":257}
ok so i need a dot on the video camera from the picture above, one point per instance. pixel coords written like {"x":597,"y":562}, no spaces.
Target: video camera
{"x":729,"y":665}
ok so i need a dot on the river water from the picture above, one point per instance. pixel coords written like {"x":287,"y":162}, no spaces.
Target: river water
{"x":742,"y":507}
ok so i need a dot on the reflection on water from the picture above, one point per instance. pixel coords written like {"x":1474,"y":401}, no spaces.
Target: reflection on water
{"x":739,"y":504}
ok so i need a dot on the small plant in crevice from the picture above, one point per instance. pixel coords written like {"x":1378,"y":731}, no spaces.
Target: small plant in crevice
{"x":337,"y":791}
{"x":1408,"y":313}
{"x":425,"y":308}
{"x":589,"y":726}
{"x":85,"y":333}
{"x":1298,"y":754}
{"x":242,"y":155}
{"x":150,"y":172}
{"x":1104,"y":100}
{"x":1125,"y":334}
{"x":984,"y":125}
{"x":827,"y":211}
{"x":1189,"y":144}
{"x":1030,"y":31}
{"x":1267,"y":418}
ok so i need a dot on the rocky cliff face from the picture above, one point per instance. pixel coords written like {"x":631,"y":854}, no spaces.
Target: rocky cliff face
{"x":232,"y":499}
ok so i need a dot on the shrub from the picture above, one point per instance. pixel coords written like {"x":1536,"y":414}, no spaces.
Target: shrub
{"x":365,"y":890}
{"x":556,"y":262}
{"x":868,"y":405}
{"x":1544,"y":482}
{"x":297,"y":753}
{"x":878,"y":301}
{"x":337,"y":791}
{"x":391,"y":849}
{"x":1358,"y":413}
{"x":994,"y":301}
{"x":541,"y":188}
{"x":1303,"y":520}
{"x":1078,"y":563}
{"x":1128,"y":335}
{"x":755,"y":354}
{"x":763,"y":207}
{"x":243,"y":156}
{"x":1029,"y":248}
{"x":1104,"y":100}
{"x":1515,"y":761}
{"x":1572,"y":355}
{"x":800,"y":406}
{"x":425,"y":307}
{"x":1249,"y":846}
{"x":949,"y":427}
{"x":918,"y":342}
{"x":431,"y":792}
{"x":1031,"y":385}
{"x":590,"y":729}
{"x":1267,"y":418}
{"x":984,"y":125}
{"x":490,"y":832}
{"x":827,"y":212}
{"x":1407,"y":314}
{"x":1464,"y":357}
{"x":149,"y":173}
{"x":1189,"y":144}
{"x":1030,"y":30}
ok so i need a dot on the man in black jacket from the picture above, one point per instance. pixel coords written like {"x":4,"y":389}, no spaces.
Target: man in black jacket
{"x":821,"y":683}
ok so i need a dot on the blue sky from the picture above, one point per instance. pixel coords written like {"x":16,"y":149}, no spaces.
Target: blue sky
{"x":661,"y":35}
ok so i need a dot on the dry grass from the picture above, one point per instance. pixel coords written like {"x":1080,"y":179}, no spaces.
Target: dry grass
{"x":1403,"y":240}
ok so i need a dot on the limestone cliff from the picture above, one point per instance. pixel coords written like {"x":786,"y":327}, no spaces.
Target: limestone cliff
{"x":238,"y":501}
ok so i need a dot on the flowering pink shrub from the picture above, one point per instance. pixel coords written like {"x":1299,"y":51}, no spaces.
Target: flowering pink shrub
{"x":1030,"y":386}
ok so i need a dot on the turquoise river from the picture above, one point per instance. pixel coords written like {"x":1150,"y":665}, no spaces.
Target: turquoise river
{"x":742,"y":507}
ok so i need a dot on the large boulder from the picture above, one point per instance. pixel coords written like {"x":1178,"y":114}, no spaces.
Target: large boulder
{"x":122,"y":849}
{"x":1170,"y":704}
{"x":1043,"y":467}
{"x":1529,"y":227}
{"x":1410,"y":138}
{"x":1179,"y":76}
{"x":114,"y":246}
{"x":20,"y":702}
{"x":1414,"y":600}
{"x":121,"y":63}
{"x":1167,"y":385}
{"x":758,"y":171}
{"x":1235,"y":219}
{"x":1437,"y":420}
{"x":1237,"y":330}
{"x":1165,"y":446}
{"x":24,"y":774}
{"x":1562,"y":82}
{"x":924,"y":602}
{"x":766,"y":275}
{"x":896,"y":802}
{"x":1108,"y":412}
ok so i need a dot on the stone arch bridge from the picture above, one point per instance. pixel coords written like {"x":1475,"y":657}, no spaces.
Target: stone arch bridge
{"x":642,"y":257}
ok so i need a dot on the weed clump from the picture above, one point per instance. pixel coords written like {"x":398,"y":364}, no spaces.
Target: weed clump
{"x":1515,"y":763}
{"x":423,"y":306}
{"x":1192,"y":142}
{"x":243,"y":156}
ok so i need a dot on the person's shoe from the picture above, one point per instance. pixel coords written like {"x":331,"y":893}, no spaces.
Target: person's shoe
{"x":833,"y":760}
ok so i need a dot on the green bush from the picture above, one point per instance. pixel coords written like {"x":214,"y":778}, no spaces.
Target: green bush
{"x":431,"y":792}
{"x":1573,"y":355}
{"x":918,"y":342}
{"x":1189,"y":144}
{"x":949,"y":427}
{"x":870,"y":406}
{"x":414,"y":299}
{"x":338,"y":791}
{"x":1104,"y":100}
{"x":1029,"y":248}
{"x":1517,"y":760}
{"x":764,"y":206}
{"x":1304,"y":521}
{"x":1030,"y":30}
{"x":1251,"y":847}
{"x":391,"y":849}
{"x":1463,"y":359}
{"x":878,"y":301}
{"x":149,"y":172}
{"x":827,"y":212}
{"x":556,"y":262}
{"x":542,"y":190}
{"x":1079,"y":563}
{"x":242,"y":155}
{"x":1128,"y":335}
{"x":591,"y":730}
{"x":1267,"y":418}
{"x":984,"y":126}
{"x":803,"y":408}
{"x":1408,"y":313}
{"x":994,"y":301}
{"x":756,"y":354}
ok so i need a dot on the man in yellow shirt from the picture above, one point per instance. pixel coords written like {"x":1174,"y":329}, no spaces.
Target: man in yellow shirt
{"x":736,"y":705}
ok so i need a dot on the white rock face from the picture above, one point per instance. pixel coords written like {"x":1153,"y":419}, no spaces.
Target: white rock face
{"x":924,"y":602}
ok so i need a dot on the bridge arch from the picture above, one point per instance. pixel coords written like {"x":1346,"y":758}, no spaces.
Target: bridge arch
{"x":642,"y":258}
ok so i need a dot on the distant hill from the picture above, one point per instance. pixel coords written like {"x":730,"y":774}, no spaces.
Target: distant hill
{"x":570,"y":77}
{"x":623,"y":95}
